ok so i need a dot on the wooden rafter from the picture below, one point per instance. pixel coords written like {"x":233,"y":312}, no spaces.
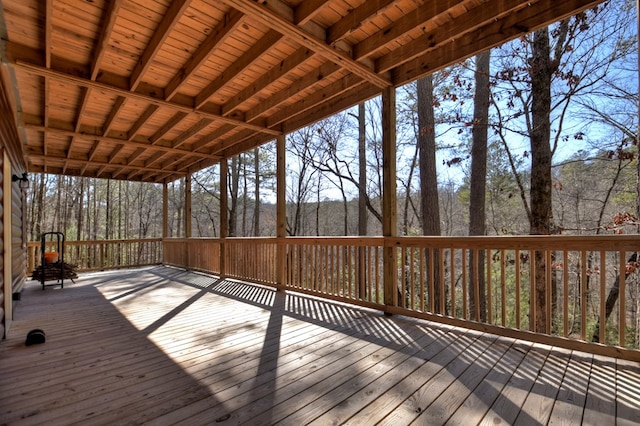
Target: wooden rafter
{"x":276,"y":21}
{"x":101,"y":46}
{"x":134,"y":95}
{"x":116,"y":141}
{"x":238,"y":66}
{"x":230,"y":23}
{"x":266,"y":80}
{"x":160,"y":35}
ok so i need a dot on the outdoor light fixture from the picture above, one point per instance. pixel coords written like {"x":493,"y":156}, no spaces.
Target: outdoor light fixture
{"x":24,"y":181}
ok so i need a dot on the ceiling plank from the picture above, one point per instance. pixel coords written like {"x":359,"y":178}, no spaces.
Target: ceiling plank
{"x":293,"y":88}
{"x":243,"y":62}
{"x":410,"y":21}
{"x":495,"y":9}
{"x":274,"y":75}
{"x":231,"y":21}
{"x":108,"y":23}
{"x":268,"y":17}
{"x":170,"y":19}
{"x":357,"y":17}
{"x":142,"y":119}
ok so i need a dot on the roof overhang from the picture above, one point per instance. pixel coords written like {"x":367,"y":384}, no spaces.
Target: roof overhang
{"x":152,"y":90}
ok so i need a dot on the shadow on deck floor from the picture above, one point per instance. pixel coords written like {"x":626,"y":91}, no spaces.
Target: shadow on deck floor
{"x":165,"y":346}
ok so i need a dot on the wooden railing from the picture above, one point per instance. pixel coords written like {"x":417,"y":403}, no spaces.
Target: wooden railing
{"x":102,"y":254}
{"x":200,"y":254}
{"x":484,"y":283}
{"x":441,"y":278}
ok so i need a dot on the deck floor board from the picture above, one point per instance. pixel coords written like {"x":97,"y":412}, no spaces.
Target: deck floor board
{"x":164,"y":346}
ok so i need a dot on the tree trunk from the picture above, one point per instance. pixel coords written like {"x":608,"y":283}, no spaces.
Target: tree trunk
{"x":80,"y":214}
{"x":540,"y":191}
{"x":429,"y":203}
{"x":233,"y":197}
{"x":362,"y":200}
{"x":478,"y":184}
{"x":244,"y":197}
{"x":256,"y":209}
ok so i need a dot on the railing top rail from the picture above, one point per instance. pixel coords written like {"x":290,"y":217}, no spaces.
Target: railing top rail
{"x":75,"y":242}
{"x":525,"y":242}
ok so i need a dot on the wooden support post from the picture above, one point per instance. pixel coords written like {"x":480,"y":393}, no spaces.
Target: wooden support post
{"x":187,"y":215}
{"x":224,"y":221}
{"x":7,"y":277}
{"x":187,"y":206}
{"x":165,"y":219}
{"x":281,"y":213}
{"x":165,"y":210}
{"x":389,"y":204}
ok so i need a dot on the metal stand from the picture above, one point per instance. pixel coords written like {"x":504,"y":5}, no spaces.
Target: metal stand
{"x":60,"y":250}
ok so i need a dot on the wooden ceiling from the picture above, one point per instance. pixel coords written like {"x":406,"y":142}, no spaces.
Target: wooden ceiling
{"x":151,"y":90}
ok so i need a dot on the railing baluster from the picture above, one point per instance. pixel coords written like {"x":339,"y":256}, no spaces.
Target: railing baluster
{"x":503,"y":289}
{"x":622,"y":306}
{"x":603,"y":296}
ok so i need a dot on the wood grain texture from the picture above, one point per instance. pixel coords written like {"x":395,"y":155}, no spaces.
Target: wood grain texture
{"x":161,"y":345}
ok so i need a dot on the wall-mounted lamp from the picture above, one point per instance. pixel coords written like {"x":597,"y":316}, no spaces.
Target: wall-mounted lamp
{"x":23,"y":181}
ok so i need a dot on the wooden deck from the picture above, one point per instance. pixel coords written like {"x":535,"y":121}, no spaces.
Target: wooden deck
{"x":164,"y":346}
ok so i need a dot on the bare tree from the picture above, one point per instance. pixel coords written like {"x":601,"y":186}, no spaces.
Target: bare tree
{"x":429,"y":201}
{"x":478,"y":184}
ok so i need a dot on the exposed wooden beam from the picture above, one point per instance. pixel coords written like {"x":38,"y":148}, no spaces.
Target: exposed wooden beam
{"x":346,"y":99}
{"x":335,"y":89}
{"x":169,"y":20}
{"x":92,"y":153}
{"x":192,"y":131}
{"x":154,"y":158}
{"x":142,"y":119}
{"x":48,"y":30}
{"x":227,"y":143}
{"x":293,"y":88}
{"x":108,"y":22}
{"x":81,"y":161}
{"x":485,"y":14}
{"x":116,"y":141}
{"x":134,"y":156}
{"x":211,"y":138}
{"x":167,"y":126}
{"x":276,"y":21}
{"x":410,"y":21}
{"x":267,"y":79}
{"x":497,"y":32}
{"x":83,"y":82}
{"x":120,"y":102}
{"x":306,"y":10}
{"x":357,"y":17}
{"x":241,"y":64}
{"x":230,"y":22}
